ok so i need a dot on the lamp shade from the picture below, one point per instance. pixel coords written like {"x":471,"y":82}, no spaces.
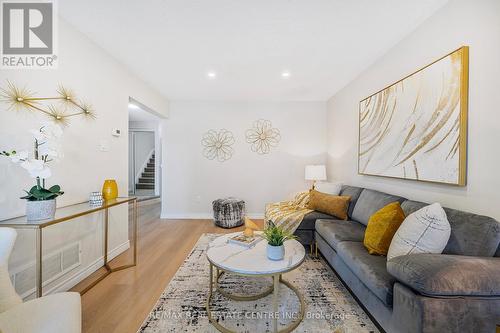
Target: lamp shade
{"x":315,"y":172}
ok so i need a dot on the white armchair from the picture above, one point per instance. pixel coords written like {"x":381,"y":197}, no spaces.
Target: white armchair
{"x":49,"y":314}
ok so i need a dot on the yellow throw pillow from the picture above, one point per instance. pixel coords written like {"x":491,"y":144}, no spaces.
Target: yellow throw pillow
{"x":381,"y":228}
{"x":335,"y":205}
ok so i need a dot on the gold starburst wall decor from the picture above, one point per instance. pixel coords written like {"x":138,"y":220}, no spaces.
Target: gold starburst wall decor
{"x":262,"y":136}
{"x":24,"y":99}
{"x":218,"y":145}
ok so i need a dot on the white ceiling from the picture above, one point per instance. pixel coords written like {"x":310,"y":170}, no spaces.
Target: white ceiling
{"x":172,"y":44}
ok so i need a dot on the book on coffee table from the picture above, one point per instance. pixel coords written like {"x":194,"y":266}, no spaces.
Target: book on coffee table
{"x":243,"y":240}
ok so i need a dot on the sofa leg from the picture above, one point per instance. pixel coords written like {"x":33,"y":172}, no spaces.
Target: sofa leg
{"x":314,"y":249}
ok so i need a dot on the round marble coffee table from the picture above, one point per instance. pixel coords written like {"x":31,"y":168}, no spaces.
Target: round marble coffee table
{"x":239,"y":260}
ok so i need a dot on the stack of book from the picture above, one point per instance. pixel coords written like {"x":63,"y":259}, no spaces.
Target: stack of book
{"x":245,"y":241}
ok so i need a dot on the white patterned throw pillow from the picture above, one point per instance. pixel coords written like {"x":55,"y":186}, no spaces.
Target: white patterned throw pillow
{"x":425,"y":231}
{"x":328,"y":188}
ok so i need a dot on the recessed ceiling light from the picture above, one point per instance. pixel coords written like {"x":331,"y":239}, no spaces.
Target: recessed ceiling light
{"x":285,"y":74}
{"x":211,"y":75}
{"x":133,"y":106}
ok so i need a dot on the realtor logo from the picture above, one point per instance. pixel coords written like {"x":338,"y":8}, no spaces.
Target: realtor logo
{"x":28,"y":30}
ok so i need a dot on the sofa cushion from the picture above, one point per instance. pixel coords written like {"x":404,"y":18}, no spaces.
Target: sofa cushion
{"x":335,"y":231}
{"x":425,"y":231}
{"x":371,"y":201}
{"x":447,"y":275}
{"x":410,"y":206}
{"x":328,"y":188}
{"x":471,"y":234}
{"x":371,"y":270}
{"x":310,"y":219}
{"x":353,"y":192}
{"x":336,"y":205}
{"x":381,"y":228}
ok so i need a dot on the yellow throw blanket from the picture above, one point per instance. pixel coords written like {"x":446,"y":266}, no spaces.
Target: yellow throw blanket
{"x":288,"y":214}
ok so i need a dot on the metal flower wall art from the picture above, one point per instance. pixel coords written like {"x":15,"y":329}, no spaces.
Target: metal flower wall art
{"x":218,"y":145}
{"x":69,"y":106}
{"x":262,"y":136}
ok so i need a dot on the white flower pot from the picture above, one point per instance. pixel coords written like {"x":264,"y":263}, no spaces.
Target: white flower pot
{"x":40,"y":209}
{"x":275,"y":252}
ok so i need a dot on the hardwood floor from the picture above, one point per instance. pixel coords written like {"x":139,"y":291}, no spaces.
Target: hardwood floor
{"x":121,"y":301}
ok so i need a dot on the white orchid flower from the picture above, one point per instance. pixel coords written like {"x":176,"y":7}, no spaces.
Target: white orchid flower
{"x":44,"y":173}
{"x":37,"y":168}
{"x":19,"y":156}
{"x":47,"y":132}
{"x":52,"y":152}
{"x":38,"y":135}
{"x":46,"y":146}
{"x":32,"y":165}
{"x":49,"y":148}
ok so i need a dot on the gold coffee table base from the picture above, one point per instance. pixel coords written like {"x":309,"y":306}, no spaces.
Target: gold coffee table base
{"x":271,"y":290}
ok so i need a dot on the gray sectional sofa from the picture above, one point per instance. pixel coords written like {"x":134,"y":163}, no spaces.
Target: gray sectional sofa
{"x":457,"y":291}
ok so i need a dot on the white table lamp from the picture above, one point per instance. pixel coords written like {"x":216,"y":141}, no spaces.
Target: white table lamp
{"x":315,"y":172}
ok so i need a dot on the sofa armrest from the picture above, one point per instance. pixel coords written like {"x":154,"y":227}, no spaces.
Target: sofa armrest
{"x":447,"y":275}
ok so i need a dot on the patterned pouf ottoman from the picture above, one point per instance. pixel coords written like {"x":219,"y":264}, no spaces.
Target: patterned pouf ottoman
{"x":229,"y":212}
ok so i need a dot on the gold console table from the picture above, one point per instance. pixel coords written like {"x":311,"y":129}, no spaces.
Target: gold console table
{"x":68,"y":213}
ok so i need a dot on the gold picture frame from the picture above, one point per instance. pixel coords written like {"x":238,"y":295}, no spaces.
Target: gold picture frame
{"x":416,"y":128}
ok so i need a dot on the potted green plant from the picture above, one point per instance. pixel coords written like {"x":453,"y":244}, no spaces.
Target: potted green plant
{"x":41,"y":201}
{"x":276,"y":238}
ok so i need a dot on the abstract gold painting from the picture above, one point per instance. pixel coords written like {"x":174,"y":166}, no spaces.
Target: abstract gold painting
{"x":417,"y":127}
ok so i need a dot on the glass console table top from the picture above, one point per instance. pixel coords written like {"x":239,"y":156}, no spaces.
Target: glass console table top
{"x":64,"y":214}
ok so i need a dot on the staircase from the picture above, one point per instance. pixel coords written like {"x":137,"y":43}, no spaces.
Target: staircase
{"x":147,"y":179}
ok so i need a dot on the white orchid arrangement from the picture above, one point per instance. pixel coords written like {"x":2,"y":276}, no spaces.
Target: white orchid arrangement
{"x":46,"y":150}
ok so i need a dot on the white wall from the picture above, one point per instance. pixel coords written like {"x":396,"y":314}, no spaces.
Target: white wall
{"x":460,"y":22}
{"x":100,"y":80}
{"x":191,"y":182}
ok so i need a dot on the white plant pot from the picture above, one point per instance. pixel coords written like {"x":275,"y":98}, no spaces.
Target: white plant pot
{"x":275,"y":252}
{"x":40,"y":209}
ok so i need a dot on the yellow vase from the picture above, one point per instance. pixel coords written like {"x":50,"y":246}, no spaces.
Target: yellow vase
{"x":109,"y":189}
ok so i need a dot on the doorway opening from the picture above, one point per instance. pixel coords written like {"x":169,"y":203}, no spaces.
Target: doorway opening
{"x":144,"y":163}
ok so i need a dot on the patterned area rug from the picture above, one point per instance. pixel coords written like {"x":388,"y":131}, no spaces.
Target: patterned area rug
{"x":181,"y":307}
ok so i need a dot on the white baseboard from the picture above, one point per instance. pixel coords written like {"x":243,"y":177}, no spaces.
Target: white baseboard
{"x":182,"y":216}
{"x":202,"y":216}
{"x":85,"y":272}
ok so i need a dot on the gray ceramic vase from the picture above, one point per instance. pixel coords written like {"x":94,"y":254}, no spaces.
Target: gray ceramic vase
{"x":40,"y":209}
